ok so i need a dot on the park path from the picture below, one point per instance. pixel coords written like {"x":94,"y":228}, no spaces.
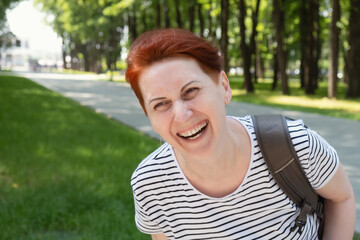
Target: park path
{"x":119,"y":102}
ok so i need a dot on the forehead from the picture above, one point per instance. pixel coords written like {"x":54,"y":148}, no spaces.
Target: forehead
{"x":172,"y":66}
{"x":170,"y":72}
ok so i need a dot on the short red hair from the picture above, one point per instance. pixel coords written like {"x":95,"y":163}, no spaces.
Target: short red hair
{"x":158,"y":44}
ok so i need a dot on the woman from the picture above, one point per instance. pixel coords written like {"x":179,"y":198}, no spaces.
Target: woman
{"x":209,"y":180}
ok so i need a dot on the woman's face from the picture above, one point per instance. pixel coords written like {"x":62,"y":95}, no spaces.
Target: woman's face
{"x":185,"y":105}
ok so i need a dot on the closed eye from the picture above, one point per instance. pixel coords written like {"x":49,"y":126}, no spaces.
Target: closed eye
{"x":162,"y":106}
{"x":190,"y":93}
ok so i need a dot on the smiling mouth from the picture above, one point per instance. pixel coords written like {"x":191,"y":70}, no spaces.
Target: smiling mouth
{"x":194,"y":133}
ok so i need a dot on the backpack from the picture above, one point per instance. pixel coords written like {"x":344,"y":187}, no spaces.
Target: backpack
{"x":280,"y":156}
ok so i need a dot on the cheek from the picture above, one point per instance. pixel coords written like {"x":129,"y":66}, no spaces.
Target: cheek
{"x":209,"y":101}
{"x":160,"y":123}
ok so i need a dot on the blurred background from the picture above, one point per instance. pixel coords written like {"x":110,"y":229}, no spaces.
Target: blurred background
{"x":310,"y":41}
{"x":28,"y":39}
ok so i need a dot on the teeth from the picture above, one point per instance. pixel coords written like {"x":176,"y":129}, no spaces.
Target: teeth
{"x":194,"y":131}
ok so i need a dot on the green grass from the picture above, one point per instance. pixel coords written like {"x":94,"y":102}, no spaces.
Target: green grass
{"x":317,"y":103}
{"x":356,"y":236}
{"x":64,"y":170}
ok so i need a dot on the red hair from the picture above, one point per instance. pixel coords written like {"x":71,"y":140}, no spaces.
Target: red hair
{"x":158,"y":44}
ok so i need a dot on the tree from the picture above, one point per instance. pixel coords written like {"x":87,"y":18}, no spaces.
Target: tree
{"x":6,"y":36}
{"x":178,"y":14}
{"x":201,"y":19}
{"x":334,"y":49}
{"x":94,"y":32}
{"x":317,"y":43}
{"x":166,"y":14}
{"x":158,"y":13}
{"x":6,"y":39}
{"x":224,"y":33}
{"x":246,"y":55}
{"x":280,"y":52}
{"x":308,"y":43}
{"x":132,"y":23}
{"x":191,"y":15}
{"x":353,"y":63}
{"x":4,"y":6}
{"x":253,"y":48}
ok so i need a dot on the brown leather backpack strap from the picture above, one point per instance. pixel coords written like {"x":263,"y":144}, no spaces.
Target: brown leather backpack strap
{"x":280,"y":156}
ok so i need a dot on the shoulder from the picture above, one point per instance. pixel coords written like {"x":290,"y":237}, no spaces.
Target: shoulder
{"x":246,"y":121}
{"x":153,"y":167}
{"x":299,"y":135}
{"x":318,"y":158}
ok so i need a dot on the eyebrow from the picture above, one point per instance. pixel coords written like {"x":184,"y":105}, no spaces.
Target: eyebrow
{"x":156,"y":99}
{"x":182,"y":89}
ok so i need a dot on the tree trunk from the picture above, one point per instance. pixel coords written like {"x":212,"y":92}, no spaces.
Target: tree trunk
{"x":72,"y":56}
{"x":244,"y":49}
{"x":334,"y":49}
{"x":259,"y":64}
{"x":276,"y":70}
{"x":317,"y":40}
{"x":201,"y":19}
{"x":158,"y":14}
{"x":86,"y":58}
{"x":346,"y":60}
{"x":144,"y":23}
{"x":132,"y":24}
{"x":212,"y":29}
{"x":303,"y":17}
{"x":63,"y":49}
{"x":178,"y":14}
{"x":166,"y":14}
{"x":191,"y":15}
{"x":254,"y":17}
{"x":224,"y":33}
{"x":281,"y":54}
{"x":354,"y":51}
{"x":307,"y":28}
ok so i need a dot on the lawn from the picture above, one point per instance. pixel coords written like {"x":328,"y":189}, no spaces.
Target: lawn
{"x":64,"y":169}
{"x":317,"y":103}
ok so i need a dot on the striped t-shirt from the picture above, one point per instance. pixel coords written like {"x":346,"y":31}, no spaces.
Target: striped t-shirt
{"x":166,"y":202}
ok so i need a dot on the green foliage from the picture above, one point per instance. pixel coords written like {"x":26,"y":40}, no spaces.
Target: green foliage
{"x":64,"y":170}
{"x":5,"y":5}
{"x":101,"y":31}
{"x":6,"y":36}
{"x":117,"y":7}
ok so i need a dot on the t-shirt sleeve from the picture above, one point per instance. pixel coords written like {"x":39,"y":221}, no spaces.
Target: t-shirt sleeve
{"x":323,"y":160}
{"x":142,"y":219}
{"x":318,"y":158}
{"x":143,"y":222}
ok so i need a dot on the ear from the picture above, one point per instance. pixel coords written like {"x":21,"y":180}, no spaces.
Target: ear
{"x":226,"y":85}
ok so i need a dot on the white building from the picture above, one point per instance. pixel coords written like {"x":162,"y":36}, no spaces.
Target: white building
{"x":16,"y":57}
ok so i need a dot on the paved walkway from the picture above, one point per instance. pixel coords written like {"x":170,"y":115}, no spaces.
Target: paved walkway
{"x":118,"y":101}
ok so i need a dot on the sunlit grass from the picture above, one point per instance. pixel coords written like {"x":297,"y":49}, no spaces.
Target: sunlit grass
{"x":64,"y":169}
{"x":297,"y":100}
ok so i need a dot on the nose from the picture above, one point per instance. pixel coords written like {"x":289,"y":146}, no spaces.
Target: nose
{"x":182,"y":112}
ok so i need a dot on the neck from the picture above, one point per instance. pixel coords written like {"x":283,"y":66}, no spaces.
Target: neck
{"x":228,"y":157}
